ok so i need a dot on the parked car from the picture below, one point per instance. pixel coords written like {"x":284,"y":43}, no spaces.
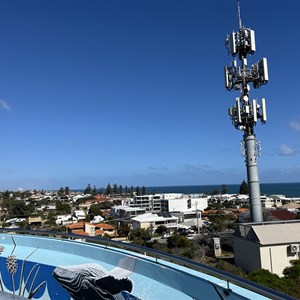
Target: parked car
{"x":166,"y":235}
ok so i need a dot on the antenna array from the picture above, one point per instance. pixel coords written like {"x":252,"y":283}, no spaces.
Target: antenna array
{"x":245,"y":113}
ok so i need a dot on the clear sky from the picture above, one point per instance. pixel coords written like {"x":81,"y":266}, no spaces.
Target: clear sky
{"x":132,"y":92}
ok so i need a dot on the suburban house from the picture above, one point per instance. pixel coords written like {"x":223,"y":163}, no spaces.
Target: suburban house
{"x":79,"y":214}
{"x":293,"y":207}
{"x":65,"y":219}
{"x":283,"y":215}
{"x":89,"y":229}
{"x":37,"y":220}
{"x":267,"y":245}
{"x":267,"y":202}
{"x":153,"y":220}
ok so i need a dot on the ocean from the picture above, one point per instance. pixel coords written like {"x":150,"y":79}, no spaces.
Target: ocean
{"x":290,"y":190}
{"x":287,"y":189}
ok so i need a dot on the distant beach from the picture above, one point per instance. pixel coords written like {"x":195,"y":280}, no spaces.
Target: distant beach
{"x":287,"y":189}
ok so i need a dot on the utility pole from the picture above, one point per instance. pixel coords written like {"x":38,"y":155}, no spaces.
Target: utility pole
{"x":244,"y":114}
{"x":197,"y":216}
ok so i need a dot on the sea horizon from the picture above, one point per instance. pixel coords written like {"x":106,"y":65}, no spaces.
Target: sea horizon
{"x":290,"y":190}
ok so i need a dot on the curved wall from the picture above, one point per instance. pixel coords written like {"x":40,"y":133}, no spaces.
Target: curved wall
{"x":62,"y":267}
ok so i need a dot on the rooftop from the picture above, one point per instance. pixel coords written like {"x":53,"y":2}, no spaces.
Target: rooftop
{"x":270,"y":233}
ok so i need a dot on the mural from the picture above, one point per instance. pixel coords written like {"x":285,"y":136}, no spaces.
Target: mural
{"x":85,"y":281}
{"x":91,"y":281}
{"x":16,"y":280}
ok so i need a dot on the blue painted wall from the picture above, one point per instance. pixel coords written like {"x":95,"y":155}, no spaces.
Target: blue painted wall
{"x":151,"y":279}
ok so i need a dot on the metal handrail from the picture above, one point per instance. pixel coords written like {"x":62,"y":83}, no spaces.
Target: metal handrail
{"x":157,"y":254}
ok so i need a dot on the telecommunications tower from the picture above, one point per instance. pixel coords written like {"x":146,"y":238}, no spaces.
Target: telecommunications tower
{"x":245,"y":113}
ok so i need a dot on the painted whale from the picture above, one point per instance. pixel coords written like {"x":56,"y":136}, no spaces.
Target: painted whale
{"x":92,"y":281}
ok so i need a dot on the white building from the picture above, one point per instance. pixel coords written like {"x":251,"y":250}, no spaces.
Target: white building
{"x":170,"y":202}
{"x":153,"y":220}
{"x":150,"y":203}
{"x":97,"y":219}
{"x":268,"y":245}
{"x":79,"y":214}
{"x":242,"y":200}
{"x":183,"y":203}
{"x":65,"y":219}
{"x":266,"y":201}
{"x":124,"y":211}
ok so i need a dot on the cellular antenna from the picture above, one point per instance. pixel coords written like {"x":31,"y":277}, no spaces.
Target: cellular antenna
{"x":245,"y":113}
{"x":239,"y":14}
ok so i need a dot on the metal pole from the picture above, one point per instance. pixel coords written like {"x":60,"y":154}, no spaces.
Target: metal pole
{"x":253,"y":179}
{"x":198,"y":230}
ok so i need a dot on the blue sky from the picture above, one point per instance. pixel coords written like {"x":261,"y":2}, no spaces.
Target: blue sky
{"x":132,"y":92}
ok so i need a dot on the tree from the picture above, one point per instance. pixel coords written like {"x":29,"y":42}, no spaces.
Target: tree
{"x":6,"y":194}
{"x":273,"y":281}
{"x":244,"y":188}
{"x":293,"y":272}
{"x":94,"y":192}
{"x":67,"y":190}
{"x":131,"y":191}
{"x":115,"y":189}
{"x":144,"y":192}
{"x":140,"y":236}
{"x":51,"y":218}
{"x":138,"y":191}
{"x":30,"y":207}
{"x":224,"y":189}
{"x":124,"y":229}
{"x":215,"y":192}
{"x":17,"y":208}
{"x":95,"y":210}
{"x":88,"y":190}
{"x":120,"y":189}
{"x":60,"y":192}
{"x":230,"y":268}
{"x":178,"y":241}
{"x":161,"y":229}
{"x":108,"y":189}
{"x":63,"y":208}
{"x":220,"y":222}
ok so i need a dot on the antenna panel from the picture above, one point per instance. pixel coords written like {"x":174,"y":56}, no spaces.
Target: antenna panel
{"x":232,"y":44}
{"x":264,"y":110}
{"x":254,"y":110}
{"x":252,"y":41}
{"x":226,"y":77}
{"x":263,"y":70}
{"x":238,"y":106}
